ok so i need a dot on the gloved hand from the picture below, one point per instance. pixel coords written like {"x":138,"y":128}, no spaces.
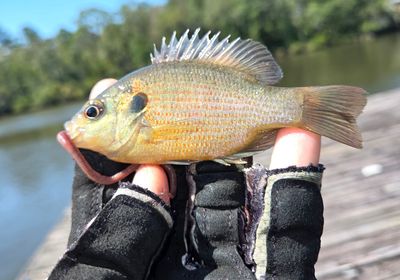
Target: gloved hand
{"x":130,"y":236}
{"x":288,"y":236}
{"x":118,"y":235}
{"x":111,"y":226}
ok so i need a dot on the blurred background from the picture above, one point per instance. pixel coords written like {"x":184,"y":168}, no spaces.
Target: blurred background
{"x":53,"y":52}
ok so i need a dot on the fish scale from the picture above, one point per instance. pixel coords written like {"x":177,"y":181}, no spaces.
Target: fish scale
{"x":220,"y":113}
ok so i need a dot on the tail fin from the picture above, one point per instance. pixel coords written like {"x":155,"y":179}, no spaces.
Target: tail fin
{"x":332,"y":110}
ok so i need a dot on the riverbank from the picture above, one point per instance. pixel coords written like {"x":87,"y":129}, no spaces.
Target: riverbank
{"x":361,"y":237}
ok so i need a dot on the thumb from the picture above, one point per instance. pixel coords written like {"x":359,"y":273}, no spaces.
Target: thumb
{"x":153,"y":178}
{"x":295,"y":146}
{"x":101,"y":86}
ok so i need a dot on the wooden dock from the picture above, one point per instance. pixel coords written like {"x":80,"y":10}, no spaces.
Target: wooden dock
{"x":361,"y":191}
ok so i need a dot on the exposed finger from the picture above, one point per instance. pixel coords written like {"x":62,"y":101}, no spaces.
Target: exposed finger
{"x":295,"y":146}
{"x":153,"y":178}
{"x":101,"y":86}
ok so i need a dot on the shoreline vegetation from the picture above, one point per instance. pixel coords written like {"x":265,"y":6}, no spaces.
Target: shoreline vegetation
{"x":41,"y":73}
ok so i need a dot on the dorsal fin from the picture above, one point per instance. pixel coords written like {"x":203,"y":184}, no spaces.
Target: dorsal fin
{"x":247,"y":56}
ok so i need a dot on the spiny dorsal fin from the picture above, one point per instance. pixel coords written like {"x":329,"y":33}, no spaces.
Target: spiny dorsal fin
{"x":247,"y":56}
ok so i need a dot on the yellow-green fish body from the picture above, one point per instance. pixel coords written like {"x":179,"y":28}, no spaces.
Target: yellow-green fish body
{"x":204,"y":99}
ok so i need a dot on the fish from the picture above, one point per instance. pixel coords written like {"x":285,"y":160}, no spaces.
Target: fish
{"x":204,"y":98}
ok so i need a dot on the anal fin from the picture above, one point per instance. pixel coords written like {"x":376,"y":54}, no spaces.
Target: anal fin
{"x":266,"y":141}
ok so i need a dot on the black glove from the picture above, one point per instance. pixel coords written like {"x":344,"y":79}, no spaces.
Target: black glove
{"x":115,"y":234}
{"x":213,"y":240}
{"x":289,"y":234}
{"x":88,"y":198}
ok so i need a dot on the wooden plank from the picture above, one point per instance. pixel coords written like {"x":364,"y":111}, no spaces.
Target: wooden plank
{"x":362,"y":265}
{"x":361,"y":237}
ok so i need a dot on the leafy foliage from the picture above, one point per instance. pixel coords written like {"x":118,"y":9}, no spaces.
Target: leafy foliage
{"x":42,"y":73}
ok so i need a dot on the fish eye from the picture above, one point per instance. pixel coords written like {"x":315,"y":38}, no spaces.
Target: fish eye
{"x":93,"y":111}
{"x":139,"y":102}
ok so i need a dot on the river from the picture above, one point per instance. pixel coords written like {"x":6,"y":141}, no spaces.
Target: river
{"x":36,"y":174}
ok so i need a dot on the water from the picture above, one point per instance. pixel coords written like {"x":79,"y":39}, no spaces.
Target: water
{"x":36,"y":174}
{"x":373,"y":65}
